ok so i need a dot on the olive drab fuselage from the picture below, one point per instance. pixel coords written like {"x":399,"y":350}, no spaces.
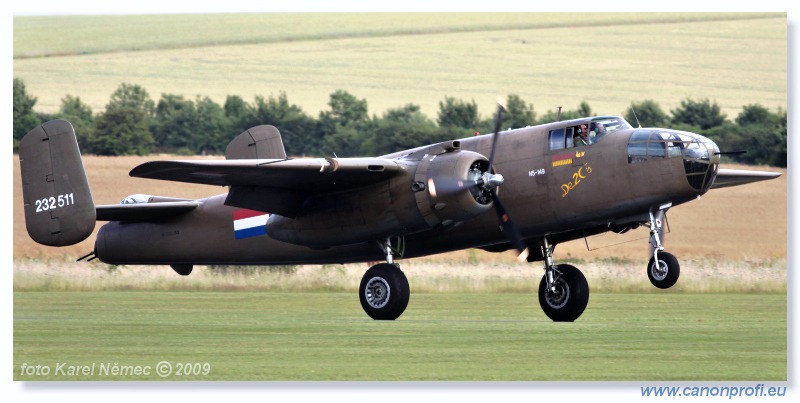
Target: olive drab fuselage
{"x":552,"y":189}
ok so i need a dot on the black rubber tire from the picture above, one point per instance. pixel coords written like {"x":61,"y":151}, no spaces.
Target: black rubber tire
{"x":384,"y":292}
{"x":669,"y":273}
{"x":571,"y":297}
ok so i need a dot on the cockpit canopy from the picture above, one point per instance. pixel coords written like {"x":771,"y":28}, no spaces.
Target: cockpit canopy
{"x":609,"y":124}
{"x":660,"y":143}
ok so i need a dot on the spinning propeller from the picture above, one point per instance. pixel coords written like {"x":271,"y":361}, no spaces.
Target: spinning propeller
{"x":489,"y":182}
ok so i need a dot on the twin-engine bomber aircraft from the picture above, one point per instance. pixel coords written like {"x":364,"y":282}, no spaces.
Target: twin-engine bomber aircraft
{"x":559,"y":181}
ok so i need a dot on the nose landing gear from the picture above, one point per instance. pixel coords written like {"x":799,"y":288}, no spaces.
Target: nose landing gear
{"x":663,"y":269}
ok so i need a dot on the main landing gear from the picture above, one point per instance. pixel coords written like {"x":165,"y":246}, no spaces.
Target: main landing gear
{"x":663,"y":269}
{"x":563,"y":291}
{"x":384,"y":290}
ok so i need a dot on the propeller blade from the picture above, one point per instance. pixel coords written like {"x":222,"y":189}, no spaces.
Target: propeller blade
{"x":508,"y":227}
{"x":506,"y":224}
{"x":497,"y":122}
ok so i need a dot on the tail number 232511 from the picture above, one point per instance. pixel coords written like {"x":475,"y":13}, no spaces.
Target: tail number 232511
{"x":54,"y":202}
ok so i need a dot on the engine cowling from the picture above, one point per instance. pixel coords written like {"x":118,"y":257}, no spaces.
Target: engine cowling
{"x":447,"y":189}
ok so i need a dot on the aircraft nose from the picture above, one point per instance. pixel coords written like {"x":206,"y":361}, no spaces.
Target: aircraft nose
{"x":701,"y":161}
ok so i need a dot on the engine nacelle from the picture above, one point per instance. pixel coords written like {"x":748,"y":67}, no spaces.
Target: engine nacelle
{"x":437,"y":189}
{"x":447,"y":190}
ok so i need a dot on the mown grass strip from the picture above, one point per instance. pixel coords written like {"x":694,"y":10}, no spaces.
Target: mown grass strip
{"x":480,"y":337}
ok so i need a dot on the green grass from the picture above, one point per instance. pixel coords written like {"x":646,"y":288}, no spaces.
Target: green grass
{"x":453,"y":336}
{"x":608,"y":60}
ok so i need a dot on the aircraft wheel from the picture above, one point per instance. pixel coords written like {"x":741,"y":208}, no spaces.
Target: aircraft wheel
{"x":570,"y":297}
{"x":384,"y":292}
{"x":666,"y":273}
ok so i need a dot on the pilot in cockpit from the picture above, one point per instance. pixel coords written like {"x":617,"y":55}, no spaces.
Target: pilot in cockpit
{"x":596,"y":131}
{"x":581,"y":137}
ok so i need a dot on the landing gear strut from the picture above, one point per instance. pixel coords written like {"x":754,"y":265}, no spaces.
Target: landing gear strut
{"x":384,"y":290}
{"x":563,"y":291}
{"x":663,"y":269}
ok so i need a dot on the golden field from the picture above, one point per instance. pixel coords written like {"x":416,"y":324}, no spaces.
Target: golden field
{"x":390,"y":59}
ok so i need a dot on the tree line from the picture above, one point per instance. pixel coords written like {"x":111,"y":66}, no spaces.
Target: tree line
{"x":133,"y":123}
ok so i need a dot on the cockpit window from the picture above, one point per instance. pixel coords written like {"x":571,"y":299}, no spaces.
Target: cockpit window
{"x":557,"y":139}
{"x":572,"y":136}
{"x":648,"y":143}
{"x":586,"y":132}
{"x":606,"y":125}
{"x":645,"y":144}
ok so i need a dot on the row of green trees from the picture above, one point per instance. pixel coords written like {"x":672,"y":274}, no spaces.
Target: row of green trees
{"x":132,"y":123}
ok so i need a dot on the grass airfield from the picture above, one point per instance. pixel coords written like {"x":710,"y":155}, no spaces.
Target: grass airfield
{"x":312,"y":336}
{"x":465,"y":322}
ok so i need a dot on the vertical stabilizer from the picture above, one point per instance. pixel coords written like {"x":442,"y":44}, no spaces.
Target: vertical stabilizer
{"x":59,"y":209}
{"x":260,"y":142}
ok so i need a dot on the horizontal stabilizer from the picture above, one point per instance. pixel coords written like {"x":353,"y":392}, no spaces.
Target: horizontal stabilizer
{"x":735,"y":177}
{"x":144,"y":211}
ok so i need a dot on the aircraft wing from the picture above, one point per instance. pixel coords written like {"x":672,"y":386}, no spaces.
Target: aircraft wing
{"x":143,"y":211}
{"x":308,"y":174}
{"x":735,"y":177}
{"x":278,"y":186}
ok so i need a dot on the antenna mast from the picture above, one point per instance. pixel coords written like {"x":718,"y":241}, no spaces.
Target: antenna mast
{"x":635,"y":117}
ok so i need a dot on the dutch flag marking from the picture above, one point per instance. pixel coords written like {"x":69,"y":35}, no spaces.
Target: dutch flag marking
{"x":249,"y":223}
